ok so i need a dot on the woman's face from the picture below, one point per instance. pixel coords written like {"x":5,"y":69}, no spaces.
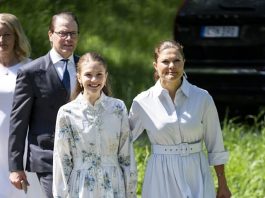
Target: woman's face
{"x":169,"y":66}
{"x":7,"y":40}
{"x":92,"y":77}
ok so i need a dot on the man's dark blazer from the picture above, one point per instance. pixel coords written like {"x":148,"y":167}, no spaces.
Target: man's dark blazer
{"x":39,"y":93}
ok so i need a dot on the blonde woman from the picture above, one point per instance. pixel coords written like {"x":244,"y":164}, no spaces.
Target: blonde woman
{"x":14,"y":52}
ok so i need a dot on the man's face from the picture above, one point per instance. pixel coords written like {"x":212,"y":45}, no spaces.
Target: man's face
{"x":65,"y":36}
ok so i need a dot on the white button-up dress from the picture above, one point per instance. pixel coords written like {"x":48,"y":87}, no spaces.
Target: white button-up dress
{"x":7,"y":86}
{"x":93,"y":153}
{"x":191,"y":118}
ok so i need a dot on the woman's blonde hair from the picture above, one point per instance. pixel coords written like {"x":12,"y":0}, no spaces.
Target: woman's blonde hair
{"x":22,"y":47}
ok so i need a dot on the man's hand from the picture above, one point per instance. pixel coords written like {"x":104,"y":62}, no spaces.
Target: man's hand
{"x":16,"y":177}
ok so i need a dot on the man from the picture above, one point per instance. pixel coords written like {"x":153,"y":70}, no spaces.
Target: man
{"x":40,"y":91}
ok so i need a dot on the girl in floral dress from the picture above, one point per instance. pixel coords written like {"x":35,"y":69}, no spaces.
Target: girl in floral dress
{"x":93,"y":154}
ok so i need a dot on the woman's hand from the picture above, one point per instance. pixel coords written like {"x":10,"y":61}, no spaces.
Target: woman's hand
{"x":223,"y":192}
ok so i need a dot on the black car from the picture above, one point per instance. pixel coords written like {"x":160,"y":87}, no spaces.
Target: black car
{"x":224,"y":46}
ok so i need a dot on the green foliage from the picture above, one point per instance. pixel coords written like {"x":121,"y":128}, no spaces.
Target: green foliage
{"x":123,"y":31}
{"x":142,"y":152}
{"x":245,"y":169}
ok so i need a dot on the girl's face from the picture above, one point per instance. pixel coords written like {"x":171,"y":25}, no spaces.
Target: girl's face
{"x":92,"y":77}
{"x":7,"y":39}
{"x":169,"y":65}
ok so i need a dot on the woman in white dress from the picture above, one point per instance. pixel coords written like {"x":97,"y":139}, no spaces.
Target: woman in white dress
{"x":178,"y":118}
{"x":14,"y":52}
{"x":93,"y":153}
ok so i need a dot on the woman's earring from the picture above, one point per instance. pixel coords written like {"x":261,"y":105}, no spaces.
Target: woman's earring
{"x":81,"y":87}
{"x":185,"y":75}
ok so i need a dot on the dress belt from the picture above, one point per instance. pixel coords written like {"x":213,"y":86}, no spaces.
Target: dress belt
{"x":182,"y":149}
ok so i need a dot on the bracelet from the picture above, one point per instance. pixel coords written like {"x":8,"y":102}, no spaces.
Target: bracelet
{"x":220,"y":174}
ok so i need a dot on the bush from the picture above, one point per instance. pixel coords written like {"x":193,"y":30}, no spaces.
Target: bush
{"x":245,"y":169}
{"x":123,"y":31}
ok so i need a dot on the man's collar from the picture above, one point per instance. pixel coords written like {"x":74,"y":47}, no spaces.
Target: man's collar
{"x":56,"y":57}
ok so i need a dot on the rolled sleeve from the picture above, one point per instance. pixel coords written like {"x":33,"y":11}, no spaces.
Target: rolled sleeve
{"x":218,"y":158}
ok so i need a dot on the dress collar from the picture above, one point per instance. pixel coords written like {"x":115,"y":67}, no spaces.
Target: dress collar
{"x":56,"y":57}
{"x":86,"y":104}
{"x":12,"y":70}
{"x":184,"y":88}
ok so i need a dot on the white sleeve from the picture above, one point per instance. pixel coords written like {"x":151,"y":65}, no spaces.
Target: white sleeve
{"x":213,"y":135}
{"x":62,"y":156}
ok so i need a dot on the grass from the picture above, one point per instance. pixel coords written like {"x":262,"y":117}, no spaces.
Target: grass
{"x":245,"y":170}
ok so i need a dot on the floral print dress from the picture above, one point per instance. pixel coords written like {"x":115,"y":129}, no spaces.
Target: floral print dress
{"x":93,"y":153}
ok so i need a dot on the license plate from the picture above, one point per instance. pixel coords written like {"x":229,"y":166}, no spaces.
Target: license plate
{"x":220,"y":32}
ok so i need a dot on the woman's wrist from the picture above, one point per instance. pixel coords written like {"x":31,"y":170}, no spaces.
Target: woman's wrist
{"x":222,"y":181}
{"x":220,"y":175}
